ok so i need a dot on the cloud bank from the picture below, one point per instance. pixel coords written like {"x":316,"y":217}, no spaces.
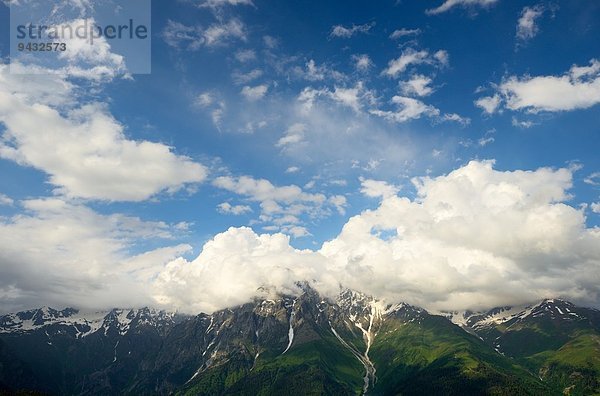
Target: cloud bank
{"x":475,"y":238}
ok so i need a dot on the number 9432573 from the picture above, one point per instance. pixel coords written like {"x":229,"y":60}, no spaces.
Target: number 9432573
{"x":41,"y":47}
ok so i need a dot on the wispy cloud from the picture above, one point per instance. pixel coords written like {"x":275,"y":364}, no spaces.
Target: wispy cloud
{"x":193,"y":38}
{"x":449,"y":4}
{"x":527,"y":27}
{"x":411,"y":57}
{"x":340,"y":31}
{"x":399,"y":33}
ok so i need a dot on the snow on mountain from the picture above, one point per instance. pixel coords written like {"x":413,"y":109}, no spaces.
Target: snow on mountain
{"x":553,"y":308}
{"x":83,"y":322}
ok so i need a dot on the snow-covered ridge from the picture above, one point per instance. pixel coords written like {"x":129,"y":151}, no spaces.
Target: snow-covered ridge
{"x":84,"y":323}
{"x":552,"y":308}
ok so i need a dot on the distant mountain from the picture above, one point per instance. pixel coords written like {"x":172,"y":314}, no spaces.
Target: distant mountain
{"x":555,"y":339}
{"x":303,"y":345}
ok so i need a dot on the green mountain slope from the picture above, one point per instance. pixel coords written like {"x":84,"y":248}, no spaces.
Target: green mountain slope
{"x":555,"y":339}
{"x":303,"y":345}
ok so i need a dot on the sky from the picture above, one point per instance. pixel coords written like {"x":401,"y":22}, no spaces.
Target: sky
{"x":439,"y":152}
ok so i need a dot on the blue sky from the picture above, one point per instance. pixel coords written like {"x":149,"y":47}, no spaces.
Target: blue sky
{"x":292,"y":117}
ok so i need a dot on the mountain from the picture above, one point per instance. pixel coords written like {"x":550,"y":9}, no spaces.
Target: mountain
{"x":293,"y":345}
{"x":554,"y":338}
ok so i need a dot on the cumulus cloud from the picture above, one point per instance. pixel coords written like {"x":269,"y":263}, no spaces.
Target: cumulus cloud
{"x":234,"y":267}
{"x":60,"y":253}
{"x":489,"y":104}
{"x":595,"y":206}
{"x":347,"y":32}
{"x":377,"y":188}
{"x":579,"y":88}
{"x":474,"y":238}
{"x":91,"y":156}
{"x":449,"y":4}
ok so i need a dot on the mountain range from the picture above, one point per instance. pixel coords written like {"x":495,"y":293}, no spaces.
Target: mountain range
{"x":304,"y":345}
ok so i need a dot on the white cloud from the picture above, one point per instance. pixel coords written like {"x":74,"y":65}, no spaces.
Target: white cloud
{"x":297,"y":231}
{"x":255,"y":93}
{"x":246,"y":55}
{"x":595,"y":206}
{"x":227,"y":208}
{"x":577,"y":89}
{"x":410,"y":57}
{"x":233,"y":267}
{"x":270,"y":42}
{"x":314,"y":72}
{"x":593,"y":179}
{"x":453,"y":117}
{"x":377,"y":188}
{"x":293,"y":135}
{"x":442,"y":57}
{"x":354,"y":97}
{"x":526,"y":26}
{"x":362,"y":62}
{"x":205,"y":99}
{"x":347,"y":32}
{"x":92,"y":62}
{"x":408,"y":109}
{"x":219,"y":34}
{"x":6,"y":200}
{"x":210,"y":102}
{"x":192,"y":38}
{"x":418,"y":85}
{"x":292,"y":169}
{"x":178,"y":35}
{"x":282,"y":207}
{"x":522,"y":124}
{"x":475,"y":238}
{"x":92,"y":158}
{"x":216,"y":4}
{"x":486,"y":139}
{"x":244,"y":78}
{"x":262,"y":190}
{"x":60,"y":253}
{"x":489,"y":104}
{"x":340,"y":203}
{"x":449,"y":4}
{"x":399,"y":33}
